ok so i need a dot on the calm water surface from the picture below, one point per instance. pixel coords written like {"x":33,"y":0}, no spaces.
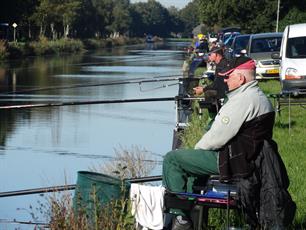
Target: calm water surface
{"x":47,"y":146}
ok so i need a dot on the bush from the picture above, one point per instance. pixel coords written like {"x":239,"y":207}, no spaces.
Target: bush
{"x":46,"y":47}
{"x":43,"y":46}
{"x":3,"y":49}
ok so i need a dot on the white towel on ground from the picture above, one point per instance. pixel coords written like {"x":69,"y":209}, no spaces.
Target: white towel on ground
{"x":147,"y":205}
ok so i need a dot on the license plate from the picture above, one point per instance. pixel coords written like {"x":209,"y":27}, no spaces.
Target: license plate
{"x":272,"y":71}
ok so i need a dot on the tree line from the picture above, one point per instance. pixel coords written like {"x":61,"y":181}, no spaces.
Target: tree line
{"x":103,"y":18}
{"x":90,"y":18}
{"x":252,"y":16}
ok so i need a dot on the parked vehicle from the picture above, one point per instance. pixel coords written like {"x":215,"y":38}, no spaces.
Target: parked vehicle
{"x":223,"y":31}
{"x":228,"y":38}
{"x":293,"y":59}
{"x":4,"y":30}
{"x":239,"y":43}
{"x":260,"y":48}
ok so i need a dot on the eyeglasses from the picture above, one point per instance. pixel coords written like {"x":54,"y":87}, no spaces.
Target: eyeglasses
{"x":231,"y":75}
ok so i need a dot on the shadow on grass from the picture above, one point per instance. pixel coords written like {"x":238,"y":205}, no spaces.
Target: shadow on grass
{"x":284,"y":125}
{"x":299,"y":225}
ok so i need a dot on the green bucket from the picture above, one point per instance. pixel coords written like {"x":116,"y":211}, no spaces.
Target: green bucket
{"x":93,"y":190}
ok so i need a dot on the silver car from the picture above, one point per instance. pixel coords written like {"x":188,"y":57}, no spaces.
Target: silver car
{"x":260,"y":48}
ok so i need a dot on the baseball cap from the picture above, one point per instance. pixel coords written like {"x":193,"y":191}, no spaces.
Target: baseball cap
{"x":217,"y":49}
{"x":241,"y":62}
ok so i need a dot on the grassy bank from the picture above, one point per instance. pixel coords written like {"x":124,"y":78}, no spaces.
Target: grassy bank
{"x":179,"y":39}
{"x":46,"y":47}
{"x":291,"y":143}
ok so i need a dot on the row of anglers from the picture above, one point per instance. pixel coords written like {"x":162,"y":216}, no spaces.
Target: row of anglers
{"x":278,"y":55}
{"x":237,"y":145}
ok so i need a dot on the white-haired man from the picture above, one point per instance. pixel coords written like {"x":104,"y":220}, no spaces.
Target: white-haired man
{"x":235,"y":138}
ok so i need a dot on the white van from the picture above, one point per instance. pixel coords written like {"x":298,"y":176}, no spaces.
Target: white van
{"x":293,"y":60}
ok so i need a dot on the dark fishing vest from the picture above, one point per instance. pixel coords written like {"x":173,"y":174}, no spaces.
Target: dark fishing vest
{"x":236,"y":158}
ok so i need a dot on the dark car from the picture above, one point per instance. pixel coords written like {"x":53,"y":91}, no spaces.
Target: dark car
{"x":239,"y":43}
{"x":223,"y":31}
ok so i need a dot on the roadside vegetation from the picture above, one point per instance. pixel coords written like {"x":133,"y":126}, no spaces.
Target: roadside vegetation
{"x":44,"y":46}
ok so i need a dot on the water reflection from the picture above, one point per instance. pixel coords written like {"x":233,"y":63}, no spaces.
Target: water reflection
{"x":40,"y":147}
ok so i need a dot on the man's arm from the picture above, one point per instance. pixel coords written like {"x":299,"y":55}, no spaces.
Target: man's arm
{"x":226,"y":125}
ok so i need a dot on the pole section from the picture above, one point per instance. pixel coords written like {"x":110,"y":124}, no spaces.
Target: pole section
{"x":69,"y":187}
{"x":277,"y":15}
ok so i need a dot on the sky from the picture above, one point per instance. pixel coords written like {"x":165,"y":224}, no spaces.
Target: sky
{"x":166,"y":3}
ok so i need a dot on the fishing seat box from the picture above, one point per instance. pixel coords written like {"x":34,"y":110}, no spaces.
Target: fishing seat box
{"x":213,"y":194}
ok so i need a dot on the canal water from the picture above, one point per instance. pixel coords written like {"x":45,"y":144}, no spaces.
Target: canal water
{"x":42,"y":147}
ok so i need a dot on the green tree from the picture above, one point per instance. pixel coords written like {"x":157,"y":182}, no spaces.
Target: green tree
{"x":251,"y":16}
{"x":68,"y":10}
{"x":190,"y":15}
{"x":151,"y":17}
{"x":87,"y":24}
{"x":104,"y":10}
{"x":41,"y":16}
{"x":121,"y":18}
{"x":294,"y":16}
{"x":56,"y":12}
{"x":175,"y":24}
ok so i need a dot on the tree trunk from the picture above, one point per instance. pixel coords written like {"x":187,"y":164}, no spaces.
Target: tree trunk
{"x":29,"y":30}
{"x":53,"y":31}
{"x":66,"y":30}
{"x":41,"y":30}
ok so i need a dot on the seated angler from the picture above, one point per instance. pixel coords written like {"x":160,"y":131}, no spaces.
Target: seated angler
{"x":246,"y":110}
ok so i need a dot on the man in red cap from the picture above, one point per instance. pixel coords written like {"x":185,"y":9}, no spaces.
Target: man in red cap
{"x":233,"y":141}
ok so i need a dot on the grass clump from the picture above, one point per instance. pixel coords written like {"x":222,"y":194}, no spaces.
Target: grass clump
{"x":63,"y":211}
{"x":128,"y":163}
{"x":44,"y":46}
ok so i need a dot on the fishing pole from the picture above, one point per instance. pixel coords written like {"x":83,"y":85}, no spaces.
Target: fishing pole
{"x":46,"y":225}
{"x":155,"y":88}
{"x":61,"y":188}
{"x":115,"y":101}
{"x":56,"y":104}
{"x":132,"y":81}
{"x":28,"y":88}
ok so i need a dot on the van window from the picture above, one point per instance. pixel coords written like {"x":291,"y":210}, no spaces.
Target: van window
{"x":296,"y":47}
{"x":261,"y":45}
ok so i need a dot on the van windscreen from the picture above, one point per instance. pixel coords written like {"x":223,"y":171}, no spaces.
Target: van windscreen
{"x":264,"y":45}
{"x":296,"y":47}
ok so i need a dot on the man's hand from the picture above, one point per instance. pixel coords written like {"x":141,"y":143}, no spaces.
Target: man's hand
{"x":198,"y":90}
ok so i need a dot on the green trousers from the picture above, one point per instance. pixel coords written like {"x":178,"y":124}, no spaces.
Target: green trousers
{"x":180,"y":164}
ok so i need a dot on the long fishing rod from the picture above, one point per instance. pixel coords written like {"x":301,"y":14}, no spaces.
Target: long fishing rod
{"x":28,"y":87}
{"x":133,"y":81}
{"x":115,"y":101}
{"x":69,"y":187}
{"x":56,"y":104}
{"x":42,"y":224}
